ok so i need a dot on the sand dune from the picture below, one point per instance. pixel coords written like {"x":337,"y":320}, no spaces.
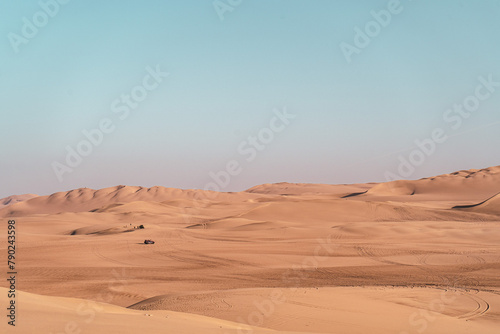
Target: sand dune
{"x":399,"y":257}
{"x":42,"y":314}
{"x":404,"y":188}
{"x":15,"y":199}
{"x":466,"y":187}
{"x":490,"y":206}
{"x":85,"y":199}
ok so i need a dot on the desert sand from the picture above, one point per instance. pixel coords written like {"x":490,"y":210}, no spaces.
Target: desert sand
{"x":399,"y":257}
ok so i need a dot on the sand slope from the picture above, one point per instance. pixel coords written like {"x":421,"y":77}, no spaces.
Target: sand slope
{"x":15,"y":199}
{"x":42,"y":314}
{"x":85,"y":199}
{"x":344,"y":309}
{"x":470,"y":185}
{"x":490,"y":206}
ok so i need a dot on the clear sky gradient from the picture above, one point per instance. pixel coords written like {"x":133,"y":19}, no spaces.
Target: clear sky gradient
{"x":353,"y":122}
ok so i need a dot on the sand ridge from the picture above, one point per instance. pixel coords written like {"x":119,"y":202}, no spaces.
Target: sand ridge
{"x":10,"y":200}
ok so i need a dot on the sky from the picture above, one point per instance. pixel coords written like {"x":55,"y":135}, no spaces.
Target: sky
{"x":228,"y":94}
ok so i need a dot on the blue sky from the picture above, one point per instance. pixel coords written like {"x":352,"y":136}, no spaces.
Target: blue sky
{"x":353,"y":122}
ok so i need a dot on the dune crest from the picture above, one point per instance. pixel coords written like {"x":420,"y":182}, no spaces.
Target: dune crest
{"x":402,"y":188}
{"x":15,"y":199}
{"x":85,"y":199}
{"x":466,"y":185}
{"x":489,"y":206}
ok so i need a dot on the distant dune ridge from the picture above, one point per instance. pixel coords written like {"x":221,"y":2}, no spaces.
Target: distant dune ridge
{"x":474,"y":183}
{"x":86,"y":199}
{"x":15,"y":199}
{"x":406,"y":256}
{"x":470,"y":185}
